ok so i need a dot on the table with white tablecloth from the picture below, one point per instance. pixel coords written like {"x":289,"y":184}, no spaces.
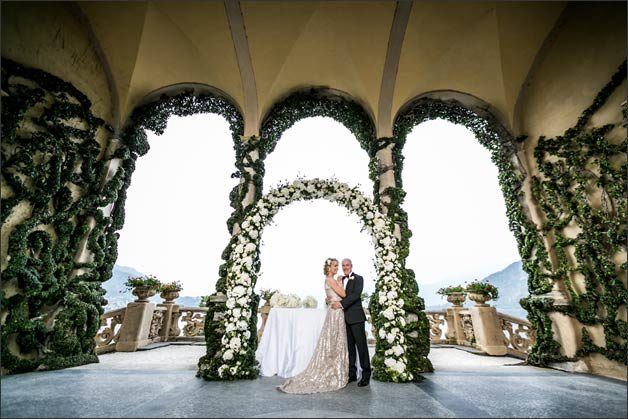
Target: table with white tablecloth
{"x":289,"y":340}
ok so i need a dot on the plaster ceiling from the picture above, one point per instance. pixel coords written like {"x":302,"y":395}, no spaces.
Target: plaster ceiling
{"x":483,"y":48}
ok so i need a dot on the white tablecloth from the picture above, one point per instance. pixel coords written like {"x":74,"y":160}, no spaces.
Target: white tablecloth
{"x":289,"y":340}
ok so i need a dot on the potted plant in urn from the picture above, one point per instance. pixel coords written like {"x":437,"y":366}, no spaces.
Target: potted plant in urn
{"x":455,"y":294}
{"x":481,"y":292}
{"x":170,"y":291}
{"x":143,"y":287}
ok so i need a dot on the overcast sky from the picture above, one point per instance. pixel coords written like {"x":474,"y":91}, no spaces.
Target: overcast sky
{"x":178,"y":203}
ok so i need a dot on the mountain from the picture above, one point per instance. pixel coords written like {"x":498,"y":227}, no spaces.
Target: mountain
{"x":118,"y":296}
{"x":512,"y":283}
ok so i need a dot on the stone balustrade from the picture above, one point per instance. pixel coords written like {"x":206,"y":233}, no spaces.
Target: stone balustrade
{"x":143,"y":323}
{"x":488,"y":330}
{"x":139,"y":324}
{"x":518,"y":335}
{"x":109,"y":332}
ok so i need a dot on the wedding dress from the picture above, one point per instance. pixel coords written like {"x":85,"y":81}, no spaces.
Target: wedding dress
{"x":328,"y":370}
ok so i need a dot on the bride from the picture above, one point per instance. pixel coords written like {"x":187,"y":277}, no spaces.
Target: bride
{"x":328,"y":369}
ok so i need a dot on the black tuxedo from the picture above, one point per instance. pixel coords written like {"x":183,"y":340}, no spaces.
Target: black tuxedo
{"x":355,"y":319}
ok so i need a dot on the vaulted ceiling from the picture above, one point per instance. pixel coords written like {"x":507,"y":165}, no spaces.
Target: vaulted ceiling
{"x":381,"y":53}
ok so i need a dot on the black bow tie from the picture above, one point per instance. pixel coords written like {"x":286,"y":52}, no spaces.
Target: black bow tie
{"x":345,"y":277}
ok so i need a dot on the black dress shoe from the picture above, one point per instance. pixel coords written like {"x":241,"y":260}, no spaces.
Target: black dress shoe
{"x":363,"y":383}
{"x":352,"y":379}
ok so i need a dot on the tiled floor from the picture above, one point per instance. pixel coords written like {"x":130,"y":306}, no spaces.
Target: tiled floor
{"x":162,"y":383}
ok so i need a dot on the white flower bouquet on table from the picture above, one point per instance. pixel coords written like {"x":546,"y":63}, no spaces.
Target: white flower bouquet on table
{"x":310,"y":302}
{"x":277,"y":300}
{"x":285,"y":301}
{"x":294,"y":301}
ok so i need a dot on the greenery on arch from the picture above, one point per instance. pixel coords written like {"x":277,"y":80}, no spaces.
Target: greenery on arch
{"x":315,"y":102}
{"x":503,"y":148}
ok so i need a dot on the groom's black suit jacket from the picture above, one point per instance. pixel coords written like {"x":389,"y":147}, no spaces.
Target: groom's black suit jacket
{"x":352,"y":303}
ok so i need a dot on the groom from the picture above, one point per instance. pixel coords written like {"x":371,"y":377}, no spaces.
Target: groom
{"x":355,"y":319}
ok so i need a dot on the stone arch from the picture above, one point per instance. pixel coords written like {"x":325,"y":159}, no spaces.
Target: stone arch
{"x":182,"y":99}
{"x":471,"y":112}
{"x":480,"y":107}
{"x":317,"y":101}
{"x":231,"y":332}
{"x":153,"y":113}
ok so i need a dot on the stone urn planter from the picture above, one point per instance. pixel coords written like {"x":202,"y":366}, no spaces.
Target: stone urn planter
{"x":456,"y":298}
{"x":143,"y":293}
{"x":169,"y":296}
{"x":480,"y":298}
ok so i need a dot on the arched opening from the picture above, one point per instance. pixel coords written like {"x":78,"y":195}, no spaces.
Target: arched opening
{"x":501,"y":146}
{"x":176,"y":209}
{"x":456,"y":207}
{"x":315,"y":147}
{"x":318,"y":147}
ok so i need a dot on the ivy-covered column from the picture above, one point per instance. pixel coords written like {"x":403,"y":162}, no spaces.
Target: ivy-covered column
{"x":543,"y":291}
{"x":250,"y":179}
{"x":52,"y":226}
{"x":250,"y":165}
{"x":385,"y":171}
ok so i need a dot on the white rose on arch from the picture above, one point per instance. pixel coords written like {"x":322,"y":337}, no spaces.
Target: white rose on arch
{"x":231,"y":302}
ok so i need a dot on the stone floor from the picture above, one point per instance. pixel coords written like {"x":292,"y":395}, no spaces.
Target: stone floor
{"x":162,"y":383}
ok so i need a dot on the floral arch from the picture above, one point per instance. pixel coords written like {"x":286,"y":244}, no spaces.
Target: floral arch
{"x":232,"y":339}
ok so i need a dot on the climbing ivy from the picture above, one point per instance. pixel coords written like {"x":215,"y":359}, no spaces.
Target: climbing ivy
{"x":51,"y":169}
{"x":54,"y":169}
{"x":573,"y":168}
{"x":502,"y":147}
{"x":154,"y":116}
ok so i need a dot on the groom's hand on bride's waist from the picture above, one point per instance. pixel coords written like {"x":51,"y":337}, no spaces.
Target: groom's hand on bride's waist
{"x":336,"y":305}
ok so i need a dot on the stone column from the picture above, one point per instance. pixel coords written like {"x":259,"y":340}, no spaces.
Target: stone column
{"x":386,"y":173}
{"x":487,"y":330}
{"x":171,"y":309}
{"x":455,"y":331}
{"x":136,"y":326}
{"x":253,"y":156}
{"x":564,"y":327}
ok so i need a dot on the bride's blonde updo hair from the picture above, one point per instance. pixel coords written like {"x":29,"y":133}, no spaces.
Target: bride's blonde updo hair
{"x":328,"y":263}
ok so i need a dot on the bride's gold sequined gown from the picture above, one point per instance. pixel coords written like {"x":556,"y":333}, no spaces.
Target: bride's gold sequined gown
{"x":328,"y":369}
